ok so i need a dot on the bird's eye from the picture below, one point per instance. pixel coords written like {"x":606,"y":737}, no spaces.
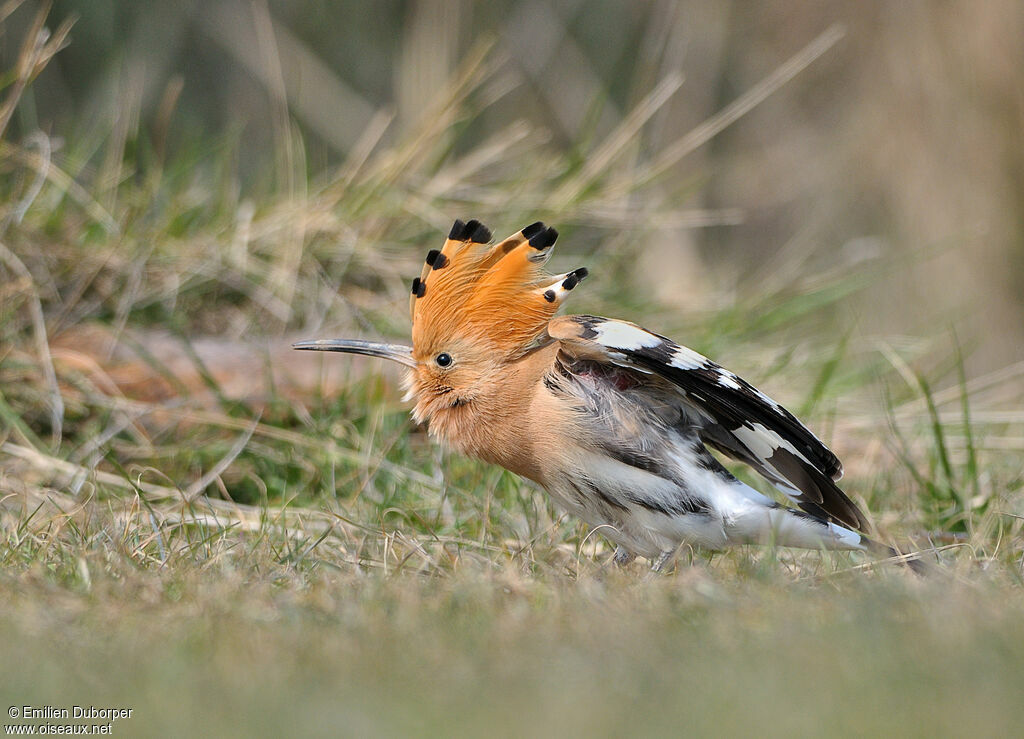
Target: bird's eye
{"x":443,"y":359}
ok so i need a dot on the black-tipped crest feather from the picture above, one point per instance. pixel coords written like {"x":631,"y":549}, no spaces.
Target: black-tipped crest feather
{"x":544,"y":239}
{"x":532,"y":230}
{"x":472,"y":230}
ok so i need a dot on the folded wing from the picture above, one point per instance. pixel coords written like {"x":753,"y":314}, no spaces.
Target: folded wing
{"x":736,"y":418}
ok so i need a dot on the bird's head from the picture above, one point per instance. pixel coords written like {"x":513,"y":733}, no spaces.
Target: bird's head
{"x":476,"y":308}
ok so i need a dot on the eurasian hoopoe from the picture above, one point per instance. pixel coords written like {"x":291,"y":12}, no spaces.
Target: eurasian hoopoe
{"x":612,"y":420}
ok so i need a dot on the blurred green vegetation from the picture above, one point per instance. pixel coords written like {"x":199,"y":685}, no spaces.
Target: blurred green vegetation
{"x":903,"y":140}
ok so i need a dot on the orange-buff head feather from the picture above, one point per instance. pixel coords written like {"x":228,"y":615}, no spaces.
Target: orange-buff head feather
{"x":497,"y":296}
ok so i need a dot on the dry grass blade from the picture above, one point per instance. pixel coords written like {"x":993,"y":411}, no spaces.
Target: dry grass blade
{"x":410,"y":154}
{"x":38,"y":47}
{"x":203,"y":482}
{"x":598,"y":161}
{"x":464,"y":169}
{"x":9,"y":7}
{"x":63,"y":182}
{"x":41,"y":141}
{"x":294,"y":522}
{"x":735,"y":110}
{"x":42,"y":343}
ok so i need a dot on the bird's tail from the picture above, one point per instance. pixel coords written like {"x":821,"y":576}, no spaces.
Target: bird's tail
{"x":912,"y":560}
{"x":790,"y":527}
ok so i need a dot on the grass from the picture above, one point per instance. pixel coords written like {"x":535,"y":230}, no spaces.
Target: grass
{"x":229,"y":651}
{"x":229,"y":538}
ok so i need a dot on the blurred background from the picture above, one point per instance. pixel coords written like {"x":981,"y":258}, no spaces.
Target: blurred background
{"x":901,"y":143}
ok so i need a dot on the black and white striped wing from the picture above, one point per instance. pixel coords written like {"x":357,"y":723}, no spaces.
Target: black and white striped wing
{"x":740,"y":420}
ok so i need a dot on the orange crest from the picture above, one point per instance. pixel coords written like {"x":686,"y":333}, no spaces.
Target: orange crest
{"x":498,"y":295}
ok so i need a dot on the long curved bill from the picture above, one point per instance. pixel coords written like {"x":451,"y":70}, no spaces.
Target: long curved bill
{"x":397,"y":352}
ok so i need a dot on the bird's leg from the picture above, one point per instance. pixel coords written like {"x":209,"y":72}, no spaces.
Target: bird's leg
{"x":623,"y":556}
{"x":666,"y":557}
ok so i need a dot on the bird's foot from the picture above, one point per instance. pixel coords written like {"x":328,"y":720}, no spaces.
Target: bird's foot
{"x":623,"y":556}
{"x":664,"y":561}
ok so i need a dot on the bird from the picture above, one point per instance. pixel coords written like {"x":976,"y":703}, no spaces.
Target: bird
{"x":617,"y":423}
